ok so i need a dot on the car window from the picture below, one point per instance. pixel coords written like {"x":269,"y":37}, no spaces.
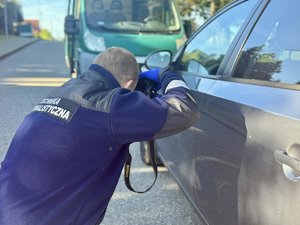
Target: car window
{"x":272,"y":51}
{"x":204,"y":54}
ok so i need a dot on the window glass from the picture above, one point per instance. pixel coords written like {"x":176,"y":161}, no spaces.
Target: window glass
{"x":272,"y":51}
{"x":132,"y":16}
{"x":204,"y":54}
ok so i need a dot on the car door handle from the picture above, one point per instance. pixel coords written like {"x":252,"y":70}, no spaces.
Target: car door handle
{"x":283,"y":157}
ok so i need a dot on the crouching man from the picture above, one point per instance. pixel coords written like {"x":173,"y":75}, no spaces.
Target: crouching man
{"x":66,"y":157}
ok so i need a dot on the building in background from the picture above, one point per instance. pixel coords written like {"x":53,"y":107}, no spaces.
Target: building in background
{"x":36,"y":27}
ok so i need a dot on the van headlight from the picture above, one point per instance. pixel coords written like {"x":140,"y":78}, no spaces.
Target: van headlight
{"x":94,"y":43}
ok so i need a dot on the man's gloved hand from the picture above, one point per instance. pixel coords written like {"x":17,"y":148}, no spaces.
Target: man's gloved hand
{"x":151,"y":75}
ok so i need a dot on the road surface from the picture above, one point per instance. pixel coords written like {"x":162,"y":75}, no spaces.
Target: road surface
{"x":25,"y":78}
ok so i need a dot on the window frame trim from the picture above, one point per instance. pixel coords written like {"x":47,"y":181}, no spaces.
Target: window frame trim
{"x":261,"y":83}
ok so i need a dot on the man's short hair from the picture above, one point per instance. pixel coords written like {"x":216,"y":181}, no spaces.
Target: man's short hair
{"x":120,"y":63}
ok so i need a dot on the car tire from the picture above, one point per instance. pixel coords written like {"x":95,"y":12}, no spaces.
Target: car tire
{"x":145,"y":154}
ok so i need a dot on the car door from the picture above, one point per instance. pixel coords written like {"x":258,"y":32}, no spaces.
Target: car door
{"x":247,"y":115}
{"x":262,"y":79}
{"x":199,"y":63}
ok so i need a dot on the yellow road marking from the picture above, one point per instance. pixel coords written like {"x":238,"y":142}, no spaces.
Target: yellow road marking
{"x":34,"y":81}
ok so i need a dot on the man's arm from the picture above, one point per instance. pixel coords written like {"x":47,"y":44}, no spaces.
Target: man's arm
{"x":135,"y":117}
{"x":182,"y":108}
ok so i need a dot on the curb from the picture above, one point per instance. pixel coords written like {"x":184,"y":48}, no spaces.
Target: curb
{"x":17,"y":49}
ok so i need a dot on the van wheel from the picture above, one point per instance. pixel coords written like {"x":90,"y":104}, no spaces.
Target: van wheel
{"x":71,"y":72}
{"x":78,"y":72}
{"x":145,"y":154}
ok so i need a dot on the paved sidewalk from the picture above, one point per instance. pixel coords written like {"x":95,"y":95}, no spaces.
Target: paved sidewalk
{"x":11,"y":45}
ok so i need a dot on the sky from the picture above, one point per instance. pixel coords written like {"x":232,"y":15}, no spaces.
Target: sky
{"x":50,"y":13}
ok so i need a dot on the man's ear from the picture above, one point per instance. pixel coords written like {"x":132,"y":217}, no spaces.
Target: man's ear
{"x":129,"y":85}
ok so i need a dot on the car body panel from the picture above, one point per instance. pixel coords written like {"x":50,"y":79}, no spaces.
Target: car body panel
{"x":241,"y":129}
{"x":180,"y":160}
{"x":139,"y":44}
{"x":220,"y":144}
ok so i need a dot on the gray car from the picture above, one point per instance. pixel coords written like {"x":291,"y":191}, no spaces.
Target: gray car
{"x":239,"y":164}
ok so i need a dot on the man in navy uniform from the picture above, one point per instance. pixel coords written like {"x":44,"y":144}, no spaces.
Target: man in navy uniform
{"x":66,"y":157}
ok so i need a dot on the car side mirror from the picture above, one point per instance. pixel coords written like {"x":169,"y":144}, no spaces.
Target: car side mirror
{"x":193,"y":66}
{"x":188,"y":28}
{"x":70,"y":25}
{"x":158,"y":59}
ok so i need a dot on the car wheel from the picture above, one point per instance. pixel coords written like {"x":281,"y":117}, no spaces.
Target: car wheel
{"x":145,"y":154}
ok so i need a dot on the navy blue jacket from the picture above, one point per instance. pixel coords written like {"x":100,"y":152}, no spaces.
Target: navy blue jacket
{"x":66,"y":157}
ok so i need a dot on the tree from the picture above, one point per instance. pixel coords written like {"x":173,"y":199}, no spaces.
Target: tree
{"x":206,"y":8}
{"x":196,"y":9}
{"x":46,"y":35}
{"x":13,"y":15}
{"x":254,"y":63}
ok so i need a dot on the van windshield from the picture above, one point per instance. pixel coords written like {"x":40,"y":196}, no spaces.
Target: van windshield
{"x":132,"y":16}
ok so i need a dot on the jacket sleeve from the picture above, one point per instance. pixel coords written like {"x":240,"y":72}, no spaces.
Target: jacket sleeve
{"x":135,"y":117}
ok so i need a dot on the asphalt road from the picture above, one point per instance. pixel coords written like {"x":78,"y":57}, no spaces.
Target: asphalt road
{"x":25,"y":78}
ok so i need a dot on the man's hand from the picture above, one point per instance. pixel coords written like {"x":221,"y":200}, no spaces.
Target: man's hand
{"x":151,"y":75}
